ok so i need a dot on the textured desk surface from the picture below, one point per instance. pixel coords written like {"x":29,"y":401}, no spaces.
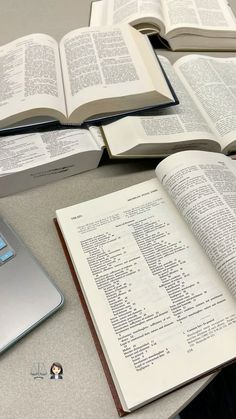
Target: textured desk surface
{"x":65,"y":337}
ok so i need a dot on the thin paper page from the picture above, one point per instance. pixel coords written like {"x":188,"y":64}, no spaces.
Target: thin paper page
{"x":154,"y":297}
{"x":97,"y":135}
{"x":165,"y":130}
{"x":133,"y":11}
{"x":211,"y":14}
{"x":212,"y":82}
{"x":30,"y":75}
{"x":202,"y":185}
{"x":100,"y":63}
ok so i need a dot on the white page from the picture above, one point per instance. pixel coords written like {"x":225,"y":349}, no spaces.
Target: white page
{"x":163,"y":131}
{"x":96,"y":13}
{"x":212,"y":82}
{"x":31,"y":76}
{"x":203,"y":186}
{"x":200,"y":14}
{"x":133,"y":11}
{"x":103,"y":63}
{"x":112,"y":62}
{"x":154,"y":297}
{"x":97,"y":135}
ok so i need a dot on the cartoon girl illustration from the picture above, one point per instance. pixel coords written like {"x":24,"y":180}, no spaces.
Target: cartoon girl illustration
{"x":56,"y":371}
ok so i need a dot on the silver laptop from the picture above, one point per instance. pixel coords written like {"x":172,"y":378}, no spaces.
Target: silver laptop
{"x":27,"y":295}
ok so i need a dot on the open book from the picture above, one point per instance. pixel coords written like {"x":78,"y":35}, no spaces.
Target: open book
{"x":91,"y":74}
{"x":34,"y":159}
{"x":156,"y":263}
{"x":182,"y":25}
{"x":205,"y":119}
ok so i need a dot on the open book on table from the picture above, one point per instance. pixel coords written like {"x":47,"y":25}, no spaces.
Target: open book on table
{"x":156,"y":263}
{"x":34,"y":159}
{"x":205,"y":119}
{"x":182,"y":25}
{"x":91,"y":74}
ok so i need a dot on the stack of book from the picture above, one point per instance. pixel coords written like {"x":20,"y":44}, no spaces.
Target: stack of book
{"x":91,"y":75}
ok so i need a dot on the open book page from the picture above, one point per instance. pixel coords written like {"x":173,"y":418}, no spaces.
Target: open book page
{"x":109,"y":62}
{"x":164,"y":131}
{"x":202,"y":185}
{"x":212,"y":83}
{"x":157,"y":303}
{"x":140,"y":13}
{"x":96,"y":13}
{"x":97,"y":135}
{"x":21,"y":152}
{"x":31,"y":78}
{"x":199,"y":14}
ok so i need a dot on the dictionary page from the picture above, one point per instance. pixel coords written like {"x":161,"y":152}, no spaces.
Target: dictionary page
{"x":202,"y":185}
{"x":109,"y":70}
{"x":199,"y":17}
{"x":164,"y":131}
{"x":159,"y":307}
{"x":145,"y":15}
{"x":212,"y":84}
{"x":31,"y":80}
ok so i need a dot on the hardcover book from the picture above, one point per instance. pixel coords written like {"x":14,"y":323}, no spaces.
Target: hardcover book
{"x":90,"y":75}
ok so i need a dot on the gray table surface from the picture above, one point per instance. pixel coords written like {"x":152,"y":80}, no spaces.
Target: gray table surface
{"x":64,"y":337}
